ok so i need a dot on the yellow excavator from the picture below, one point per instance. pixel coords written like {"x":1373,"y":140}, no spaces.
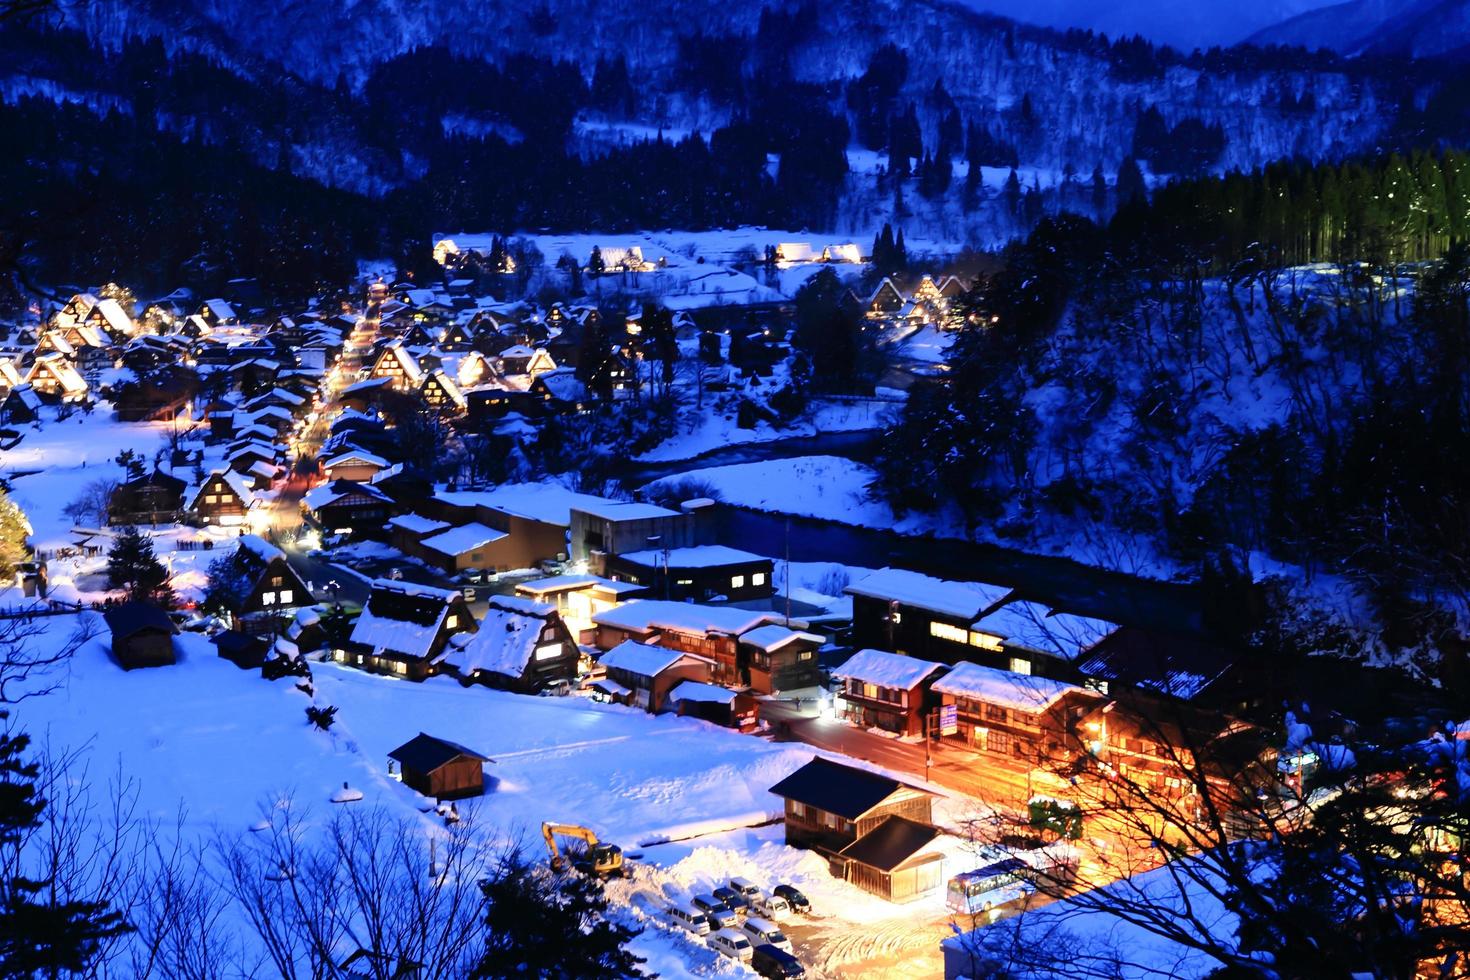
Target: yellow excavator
{"x":601,"y":859}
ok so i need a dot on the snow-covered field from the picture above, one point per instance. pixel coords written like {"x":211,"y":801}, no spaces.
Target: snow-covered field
{"x":210,"y":748}
{"x":701,"y":433}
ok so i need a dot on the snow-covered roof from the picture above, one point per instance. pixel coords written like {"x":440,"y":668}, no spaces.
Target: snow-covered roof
{"x":222,"y":310}
{"x":236,"y":483}
{"x":1032,"y":625}
{"x":355,"y":456}
{"x":416,"y":523}
{"x":503,"y":645}
{"x":1021,"y":692}
{"x":573,"y":583}
{"x":563,"y":384}
{"x":466,"y":537}
{"x":522,"y":605}
{"x":260,"y":548}
{"x":699,"y":556}
{"x":329,"y":493}
{"x":643,"y":659}
{"x":641,"y":615}
{"x":402,"y":617}
{"x":703,"y":693}
{"x":885,"y":669}
{"x":616,"y":510}
{"x":775,"y":636}
{"x":961,"y":600}
{"x":549,"y":503}
{"x":114,"y":315}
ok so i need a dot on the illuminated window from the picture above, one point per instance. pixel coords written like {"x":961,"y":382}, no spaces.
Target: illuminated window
{"x":1020,"y":665}
{"x":804,"y":655}
{"x":399,"y":667}
{"x":211,"y":498}
{"x":267,"y":598}
{"x":945,"y":631}
{"x":686,"y":581}
{"x":758,"y":578}
{"x":548,"y":651}
{"x":985,"y":641}
{"x":451,"y":621}
{"x":737,"y":581}
{"x":285,"y":596}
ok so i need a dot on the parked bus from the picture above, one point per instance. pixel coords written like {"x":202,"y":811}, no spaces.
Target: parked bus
{"x":989,"y":887}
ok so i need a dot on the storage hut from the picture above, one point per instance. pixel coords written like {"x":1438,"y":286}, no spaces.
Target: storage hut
{"x":142,"y":635}
{"x":439,"y":768}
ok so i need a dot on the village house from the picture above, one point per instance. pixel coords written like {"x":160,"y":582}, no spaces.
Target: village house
{"x":714,"y":704}
{"x":1032,"y":638}
{"x":217,"y":313}
{"x":577,"y":598}
{"x":248,"y":458}
{"x":712,"y":632}
{"x":142,"y":635}
{"x":890,"y":691}
{"x":153,"y":498}
{"x":534,"y":517}
{"x":561,"y":392}
{"x":440,"y":392}
{"x":223,"y":499}
{"x":886,"y":300}
{"x":270,"y":584}
{"x":353,"y":464}
{"x":641,"y":674}
{"x":398,"y":365}
{"x":909,"y":612}
{"x":245,"y":650}
{"x":75,"y":309}
{"x":349,"y":508}
{"x":521,"y":646}
{"x":109,"y":319}
{"x":160,"y":395}
{"x":457,"y":549}
{"x":1173,"y":665}
{"x":777,"y":658}
{"x":439,"y":769}
{"x":54,"y":378}
{"x":22,"y":405}
{"x":875,"y":831}
{"x":404,"y":628}
{"x":1030,"y":719}
{"x":599,"y":529}
{"x":698,"y":572}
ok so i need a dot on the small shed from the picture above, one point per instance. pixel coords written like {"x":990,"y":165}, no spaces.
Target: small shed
{"x":241,"y":649}
{"x":894,"y":860}
{"x":720,"y":705}
{"x":142,"y":635}
{"x":439,"y":768}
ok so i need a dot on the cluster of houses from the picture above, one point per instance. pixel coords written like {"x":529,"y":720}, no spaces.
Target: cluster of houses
{"x":921,"y":302}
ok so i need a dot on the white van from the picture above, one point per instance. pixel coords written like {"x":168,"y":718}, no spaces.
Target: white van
{"x":764,"y":932}
{"x":690,"y":918}
{"x":747,"y":888}
{"x":731,"y":943}
{"x":772,"y":907}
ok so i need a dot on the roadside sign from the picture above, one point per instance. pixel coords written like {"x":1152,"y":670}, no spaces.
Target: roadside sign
{"x":949,"y":719}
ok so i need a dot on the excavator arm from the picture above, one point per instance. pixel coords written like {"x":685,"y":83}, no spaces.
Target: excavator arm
{"x":602,"y":859}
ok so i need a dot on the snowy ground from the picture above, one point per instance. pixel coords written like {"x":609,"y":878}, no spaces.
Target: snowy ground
{"x":708,"y":431}
{"x":220,"y":746}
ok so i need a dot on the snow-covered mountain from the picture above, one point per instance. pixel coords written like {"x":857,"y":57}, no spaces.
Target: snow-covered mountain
{"x":1409,"y":28}
{"x":1184,"y":24}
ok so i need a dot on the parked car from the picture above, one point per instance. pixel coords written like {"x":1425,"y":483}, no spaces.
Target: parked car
{"x":690,"y":918}
{"x":763,"y":931}
{"x":722,"y":915}
{"x":775,"y":962}
{"x":798,"y":902}
{"x":748,"y":889}
{"x":733,"y":900}
{"x":772,"y":907}
{"x":731,"y":943}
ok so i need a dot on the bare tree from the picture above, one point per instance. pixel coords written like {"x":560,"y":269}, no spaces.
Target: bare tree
{"x":403,"y":890}
{"x":90,"y":508}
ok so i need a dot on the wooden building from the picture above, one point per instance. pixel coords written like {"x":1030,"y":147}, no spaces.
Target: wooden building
{"x":1031,"y":719}
{"x":439,"y":768}
{"x":776,"y":658}
{"x":521,"y":646}
{"x":142,"y":635}
{"x":346,"y":507}
{"x":247,"y":651}
{"x":715,"y":704}
{"x":601,"y":528}
{"x":224,"y":499}
{"x":710,"y":632}
{"x":830,"y":805}
{"x":54,"y":378}
{"x":442,"y":394}
{"x":404,"y":628}
{"x":895,"y":861}
{"x":908,"y":612}
{"x":698,"y":573}
{"x":888,"y":691}
{"x":153,"y":498}
{"x":272,"y":585}
{"x":642,"y":675}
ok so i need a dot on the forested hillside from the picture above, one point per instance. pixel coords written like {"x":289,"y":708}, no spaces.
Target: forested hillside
{"x":1177,"y":388}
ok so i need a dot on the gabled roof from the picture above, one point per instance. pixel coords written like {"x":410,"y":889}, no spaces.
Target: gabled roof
{"x":129,"y":618}
{"x":890,"y":844}
{"x":1024,"y":623}
{"x":893,"y":670}
{"x":504,"y":643}
{"x":236,"y":483}
{"x":329,"y":493}
{"x":775,"y":636}
{"x":1021,"y":692}
{"x":641,"y":615}
{"x":701,"y":693}
{"x":416,"y":523}
{"x":844,"y":790}
{"x":643,"y":659}
{"x":260,"y":549}
{"x":358,"y":455}
{"x":960,"y":600}
{"x":112,"y":314}
{"x":425,"y":753}
{"x":466,"y":537}
{"x":402,"y":617}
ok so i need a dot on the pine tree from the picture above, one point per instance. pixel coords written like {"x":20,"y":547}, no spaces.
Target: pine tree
{"x":542,"y":925}
{"x":133,"y":567}
{"x":228,"y":587}
{"x":595,"y":265}
{"x":1099,"y":192}
{"x":1130,"y":184}
{"x":40,"y":934}
{"x":1012,"y":193}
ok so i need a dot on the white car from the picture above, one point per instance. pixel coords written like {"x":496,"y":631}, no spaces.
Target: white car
{"x":690,"y":918}
{"x":772,"y":907}
{"x":764,"y":932}
{"x":732,"y":944}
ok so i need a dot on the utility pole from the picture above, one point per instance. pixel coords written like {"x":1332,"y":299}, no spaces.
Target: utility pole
{"x":788,"y":573}
{"x":928,"y":749}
